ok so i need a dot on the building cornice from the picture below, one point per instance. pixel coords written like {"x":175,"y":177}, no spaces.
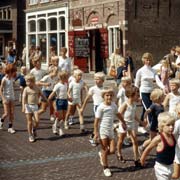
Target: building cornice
{"x":35,"y":8}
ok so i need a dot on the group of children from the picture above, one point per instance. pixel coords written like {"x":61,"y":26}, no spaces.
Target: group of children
{"x":40,"y":90}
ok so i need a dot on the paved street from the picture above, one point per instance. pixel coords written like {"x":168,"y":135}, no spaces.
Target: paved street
{"x":61,"y":158}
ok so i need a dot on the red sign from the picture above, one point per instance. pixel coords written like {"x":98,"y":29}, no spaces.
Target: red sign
{"x":94,"y":20}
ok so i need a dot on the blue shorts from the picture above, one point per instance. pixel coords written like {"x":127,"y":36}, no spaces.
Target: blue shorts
{"x":61,"y":104}
{"x":46,"y":93}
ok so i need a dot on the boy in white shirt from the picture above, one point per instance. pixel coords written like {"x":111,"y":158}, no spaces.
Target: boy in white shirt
{"x":60,"y":90}
{"x":95,"y":93}
{"x":75,"y":97}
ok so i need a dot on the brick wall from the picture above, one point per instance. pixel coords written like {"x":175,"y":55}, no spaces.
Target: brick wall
{"x":153,"y":26}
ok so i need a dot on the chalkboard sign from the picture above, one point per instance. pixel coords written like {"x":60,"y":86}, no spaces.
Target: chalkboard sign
{"x":81,"y":47}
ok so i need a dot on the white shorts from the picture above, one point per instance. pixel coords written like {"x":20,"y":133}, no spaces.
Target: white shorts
{"x":129,"y":127}
{"x":31,"y":108}
{"x":104,"y":133}
{"x":74,"y":102}
{"x":162,"y":171}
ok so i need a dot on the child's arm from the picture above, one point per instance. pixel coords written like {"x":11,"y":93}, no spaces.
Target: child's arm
{"x":148,"y":149}
{"x":69,"y":94}
{"x":121,"y":114}
{"x":96,"y":125}
{"x":24,"y":100}
{"x":85,"y":101}
{"x":41,"y":83}
{"x":1,"y":91}
{"x":166,"y":101}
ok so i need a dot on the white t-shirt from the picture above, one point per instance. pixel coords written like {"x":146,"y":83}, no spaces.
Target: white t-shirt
{"x":48,"y":79}
{"x":76,"y":89}
{"x":60,"y":90}
{"x":177,"y":136}
{"x":96,"y":93}
{"x":65,"y":64}
{"x":38,"y":73}
{"x":8,"y":89}
{"x":107,"y":115}
{"x":121,"y":96}
{"x":144,"y":79}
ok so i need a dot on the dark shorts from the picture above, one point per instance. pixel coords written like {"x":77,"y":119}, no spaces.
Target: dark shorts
{"x":61,"y":104}
{"x":154,"y":126}
{"x":47,"y":93}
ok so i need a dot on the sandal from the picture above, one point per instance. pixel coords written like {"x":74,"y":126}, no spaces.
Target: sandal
{"x":120,"y":158}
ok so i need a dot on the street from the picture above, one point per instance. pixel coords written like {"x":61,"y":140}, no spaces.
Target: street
{"x":61,"y":158}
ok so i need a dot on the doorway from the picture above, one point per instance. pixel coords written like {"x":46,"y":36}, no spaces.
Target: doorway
{"x":96,"y":61}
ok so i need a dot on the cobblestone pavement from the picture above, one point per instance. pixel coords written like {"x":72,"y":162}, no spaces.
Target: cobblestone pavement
{"x":61,"y":158}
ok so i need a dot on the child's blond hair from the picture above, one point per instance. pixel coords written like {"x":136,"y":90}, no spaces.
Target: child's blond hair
{"x":99,"y":75}
{"x":156,"y":94}
{"x":163,"y":119}
{"x":23,"y":68}
{"x":54,"y":58}
{"x":63,"y":75}
{"x":178,"y":109}
{"x":147,"y":55}
{"x":107,"y":90}
{"x":174,"y":81}
{"x":131,"y":91}
{"x":78,"y":72}
{"x":30,"y":77}
{"x":52,"y":68}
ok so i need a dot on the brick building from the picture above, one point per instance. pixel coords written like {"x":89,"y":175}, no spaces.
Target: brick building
{"x":92,"y":29}
{"x":12,"y":25}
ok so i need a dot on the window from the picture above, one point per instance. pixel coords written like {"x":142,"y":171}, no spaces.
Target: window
{"x":1,"y":14}
{"x":9,"y":14}
{"x":32,"y":26}
{"x":31,"y":2}
{"x":32,"y":40}
{"x":62,"y":42}
{"x":42,"y":25}
{"x":53,"y":41}
{"x":44,"y":1}
{"x":43,"y":45}
{"x":115,"y":39}
{"x":52,"y":24}
{"x":62,"y":23}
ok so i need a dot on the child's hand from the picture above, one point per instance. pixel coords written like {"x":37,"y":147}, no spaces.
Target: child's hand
{"x":96,"y":136}
{"x":70,"y":99}
{"x":23,"y":109}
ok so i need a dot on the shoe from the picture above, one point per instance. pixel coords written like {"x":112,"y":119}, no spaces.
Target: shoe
{"x":1,"y":124}
{"x":83,"y":131}
{"x":54,"y":129}
{"x":141,"y":149}
{"x":137,"y":163}
{"x":52,"y":118}
{"x":11,"y":130}
{"x":61,"y":133}
{"x":120,"y":158}
{"x":107,"y":172}
{"x":142,"y":130}
{"x":71,"y":121}
{"x":100,"y":158}
{"x":93,"y":142}
{"x":31,"y":139}
{"x":66,"y":125}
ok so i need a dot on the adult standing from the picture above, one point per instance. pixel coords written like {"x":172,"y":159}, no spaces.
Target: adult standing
{"x":178,"y":62}
{"x":171,"y":58}
{"x":31,"y":56}
{"x":145,"y":78}
{"x":115,"y":58}
{"x":64,"y":61}
{"x":129,"y":65}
